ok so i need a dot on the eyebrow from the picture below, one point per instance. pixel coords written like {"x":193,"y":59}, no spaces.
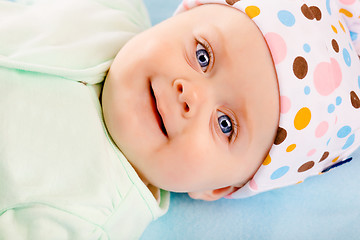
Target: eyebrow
{"x":217,"y":32}
{"x":215,"y":38}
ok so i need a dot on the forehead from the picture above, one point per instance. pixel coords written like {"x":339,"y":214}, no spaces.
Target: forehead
{"x":244,"y":70}
{"x":227,"y":26}
{"x":223,"y":16}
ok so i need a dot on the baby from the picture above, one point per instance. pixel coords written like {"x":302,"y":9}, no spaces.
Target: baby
{"x":228,"y":99}
{"x":215,"y":92}
{"x":174,"y":96}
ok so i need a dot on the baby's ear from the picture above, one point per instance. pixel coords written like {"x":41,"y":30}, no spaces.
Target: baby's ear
{"x":213,"y":195}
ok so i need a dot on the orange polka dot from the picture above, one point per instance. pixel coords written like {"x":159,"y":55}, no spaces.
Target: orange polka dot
{"x":342,"y":26}
{"x":291,"y":147}
{"x":334,"y":29}
{"x":267,"y":160}
{"x":252,"y":11}
{"x":346,"y":12}
{"x":302,"y":118}
{"x":299,"y":182}
{"x":335,"y":159}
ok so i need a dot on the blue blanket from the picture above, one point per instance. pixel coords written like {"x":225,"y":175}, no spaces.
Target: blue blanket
{"x":323,"y":207}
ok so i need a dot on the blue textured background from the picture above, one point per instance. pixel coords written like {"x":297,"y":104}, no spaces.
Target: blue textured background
{"x":323,"y":207}
{"x":161,"y":9}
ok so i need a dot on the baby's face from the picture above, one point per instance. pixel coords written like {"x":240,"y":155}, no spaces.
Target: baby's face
{"x":193,"y":102}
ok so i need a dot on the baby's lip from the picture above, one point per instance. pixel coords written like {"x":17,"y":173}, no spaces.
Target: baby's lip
{"x":155,"y":107}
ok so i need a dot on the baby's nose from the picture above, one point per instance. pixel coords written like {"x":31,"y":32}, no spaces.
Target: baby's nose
{"x":187,"y":96}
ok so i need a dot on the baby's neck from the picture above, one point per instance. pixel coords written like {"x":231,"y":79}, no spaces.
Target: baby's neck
{"x":155,"y":192}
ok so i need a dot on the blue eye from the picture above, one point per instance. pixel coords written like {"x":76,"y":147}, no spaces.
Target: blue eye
{"x":202,"y":57}
{"x":225,"y":124}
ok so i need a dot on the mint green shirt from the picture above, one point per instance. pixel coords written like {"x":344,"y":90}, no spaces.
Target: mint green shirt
{"x":61,"y":176}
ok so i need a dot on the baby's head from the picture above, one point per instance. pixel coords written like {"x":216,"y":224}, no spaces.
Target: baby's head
{"x":194,"y":102}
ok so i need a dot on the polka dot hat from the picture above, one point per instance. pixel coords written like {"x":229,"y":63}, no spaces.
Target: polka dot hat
{"x":315,"y":46}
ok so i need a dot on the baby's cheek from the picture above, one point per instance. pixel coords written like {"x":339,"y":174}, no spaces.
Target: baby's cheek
{"x":186,"y":169}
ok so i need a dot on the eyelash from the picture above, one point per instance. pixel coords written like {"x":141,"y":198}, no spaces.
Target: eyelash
{"x":209,"y":51}
{"x":235,"y":126}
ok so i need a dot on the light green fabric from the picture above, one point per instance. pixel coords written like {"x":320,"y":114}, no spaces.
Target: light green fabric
{"x":61,"y":176}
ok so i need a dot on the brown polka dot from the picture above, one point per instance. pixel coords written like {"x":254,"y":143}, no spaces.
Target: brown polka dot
{"x":307,"y":12}
{"x":280,"y":136}
{"x":231,"y":2}
{"x":316,"y":12}
{"x":354,"y":99}
{"x":324,"y":156}
{"x":311,"y":13}
{"x":306,"y":166}
{"x":335,"y":45}
{"x":300,"y":67}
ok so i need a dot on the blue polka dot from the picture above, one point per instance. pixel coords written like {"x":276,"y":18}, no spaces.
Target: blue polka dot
{"x":331,"y":108}
{"x":279,"y":172}
{"x":327,"y":143}
{"x":359,"y":81}
{"x":346,"y":56}
{"x":344,"y":131}
{"x":307,"y":90}
{"x":349,"y":142}
{"x":307,"y":47}
{"x":328,"y":8}
{"x":286,"y":18}
{"x":353,"y":35}
{"x":338,"y":101}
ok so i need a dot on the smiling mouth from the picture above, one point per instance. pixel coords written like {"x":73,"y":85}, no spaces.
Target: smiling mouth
{"x":156,"y":112}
